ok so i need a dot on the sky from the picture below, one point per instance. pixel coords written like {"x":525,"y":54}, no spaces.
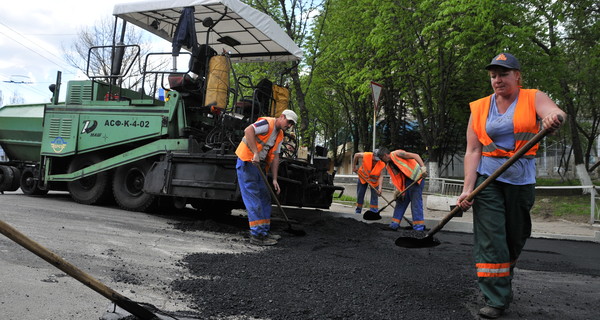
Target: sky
{"x":33,"y":34}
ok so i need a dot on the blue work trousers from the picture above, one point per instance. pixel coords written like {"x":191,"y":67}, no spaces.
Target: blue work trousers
{"x":414,"y":197}
{"x":361,"y":189}
{"x":256,"y":196}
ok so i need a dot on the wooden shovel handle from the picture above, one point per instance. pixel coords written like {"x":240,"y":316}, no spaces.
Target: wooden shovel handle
{"x":401,"y":193}
{"x":539,"y":136}
{"x":55,"y":260}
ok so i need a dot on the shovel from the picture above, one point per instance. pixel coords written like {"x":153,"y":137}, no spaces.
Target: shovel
{"x":428,"y":240}
{"x":371,"y":215}
{"x":403,"y":217}
{"x":289,"y":229}
{"x":52,"y":258}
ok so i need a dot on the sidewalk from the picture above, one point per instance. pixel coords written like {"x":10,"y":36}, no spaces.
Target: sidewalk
{"x":560,"y":229}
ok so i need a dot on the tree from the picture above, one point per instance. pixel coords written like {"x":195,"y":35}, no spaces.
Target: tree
{"x":98,"y":62}
{"x":339,"y":70}
{"x":564,"y":36}
{"x":295,"y":18}
{"x":429,"y":48}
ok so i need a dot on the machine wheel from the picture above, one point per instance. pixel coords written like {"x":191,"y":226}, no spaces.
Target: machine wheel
{"x":89,"y":190}
{"x":6,"y":178}
{"x":16,"y":182}
{"x":29,"y":185}
{"x":128,"y":185}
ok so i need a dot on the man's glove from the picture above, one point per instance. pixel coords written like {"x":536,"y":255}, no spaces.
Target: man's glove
{"x":424,"y":173}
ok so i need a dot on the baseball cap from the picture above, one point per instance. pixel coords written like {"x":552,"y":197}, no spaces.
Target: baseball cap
{"x":505,"y":60}
{"x":290,"y":115}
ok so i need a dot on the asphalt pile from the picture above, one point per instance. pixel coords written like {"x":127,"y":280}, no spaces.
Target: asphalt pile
{"x":342,"y":269}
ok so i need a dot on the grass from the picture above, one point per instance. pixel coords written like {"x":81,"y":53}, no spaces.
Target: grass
{"x":567,"y":206}
{"x":574,"y":208}
{"x":558,"y":182}
{"x":345,"y":199}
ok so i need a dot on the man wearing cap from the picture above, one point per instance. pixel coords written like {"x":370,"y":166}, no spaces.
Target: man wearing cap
{"x":261,"y":142}
{"x":499,"y":125}
{"x":369,"y":173}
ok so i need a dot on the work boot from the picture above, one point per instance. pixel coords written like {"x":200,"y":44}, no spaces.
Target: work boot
{"x":262,"y":240}
{"x":490,"y":312}
{"x":273,"y":236}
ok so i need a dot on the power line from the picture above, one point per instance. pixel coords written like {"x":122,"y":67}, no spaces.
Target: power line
{"x":32,"y":50}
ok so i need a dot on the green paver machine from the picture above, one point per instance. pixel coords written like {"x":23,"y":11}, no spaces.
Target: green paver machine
{"x":171,"y":141}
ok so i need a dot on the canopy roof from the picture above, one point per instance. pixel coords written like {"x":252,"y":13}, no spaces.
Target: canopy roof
{"x":260,"y":38}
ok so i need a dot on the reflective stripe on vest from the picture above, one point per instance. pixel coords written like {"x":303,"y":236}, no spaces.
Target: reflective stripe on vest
{"x":408,"y":168}
{"x":525,"y":124}
{"x":245,"y":154}
{"x":369,"y":171}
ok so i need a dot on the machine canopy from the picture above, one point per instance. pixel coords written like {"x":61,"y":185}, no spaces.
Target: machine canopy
{"x":246,"y":33}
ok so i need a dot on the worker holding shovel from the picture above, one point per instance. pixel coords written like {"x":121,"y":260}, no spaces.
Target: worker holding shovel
{"x":262,"y":141}
{"x":369,"y":173}
{"x":405,"y":170}
{"x":500,"y":125}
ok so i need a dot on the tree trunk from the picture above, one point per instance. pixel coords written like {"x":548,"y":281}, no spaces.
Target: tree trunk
{"x":435,"y":185}
{"x":582,"y":174}
{"x":301,"y":101}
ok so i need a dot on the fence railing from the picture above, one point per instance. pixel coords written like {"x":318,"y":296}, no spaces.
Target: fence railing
{"x":453,"y":187}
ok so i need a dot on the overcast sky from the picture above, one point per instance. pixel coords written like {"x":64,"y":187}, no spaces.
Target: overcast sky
{"x":32,"y":36}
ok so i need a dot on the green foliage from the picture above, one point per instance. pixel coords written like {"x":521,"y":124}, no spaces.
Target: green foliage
{"x":430,"y":54}
{"x":343,"y":198}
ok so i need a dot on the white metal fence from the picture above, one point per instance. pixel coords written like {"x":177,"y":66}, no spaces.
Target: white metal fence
{"x":453,"y":187}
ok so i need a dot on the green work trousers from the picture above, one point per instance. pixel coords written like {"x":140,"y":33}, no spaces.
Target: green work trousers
{"x":501,"y":226}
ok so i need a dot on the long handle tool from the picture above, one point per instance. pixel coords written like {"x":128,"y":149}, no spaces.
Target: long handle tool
{"x":289,"y":229}
{"x":375,"y":215}
{"x":428,"y":240}
{"x":55,"y":260}
{"x":371,"y":215}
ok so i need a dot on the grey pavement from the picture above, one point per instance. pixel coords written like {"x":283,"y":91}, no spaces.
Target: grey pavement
{"x":434,"y":212}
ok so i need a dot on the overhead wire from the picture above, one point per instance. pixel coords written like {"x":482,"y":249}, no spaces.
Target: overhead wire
{"x":47,"y":55}
{"x":32,"y":50}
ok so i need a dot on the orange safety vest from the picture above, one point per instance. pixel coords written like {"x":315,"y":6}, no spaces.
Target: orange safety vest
{"x":245,"y":154}
{"x":525,"y":124}
{"x":370,"y":171}
{"x":408,"y":168}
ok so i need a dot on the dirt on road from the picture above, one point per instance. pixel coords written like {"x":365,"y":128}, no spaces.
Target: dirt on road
{"x":190,"y":264}
{"x":346,"y":269}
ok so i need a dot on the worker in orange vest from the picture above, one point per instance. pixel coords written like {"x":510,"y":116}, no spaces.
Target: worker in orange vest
{"x":499,"y":125}
{"x":405,"y":168}
{"x":369,"y":173}
{"x":262,"y":141}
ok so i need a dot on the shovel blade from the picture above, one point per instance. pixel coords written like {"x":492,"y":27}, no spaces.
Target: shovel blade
{"x":411,"y":242}
{"x":296,"y":232}
{"x":371,"y":215}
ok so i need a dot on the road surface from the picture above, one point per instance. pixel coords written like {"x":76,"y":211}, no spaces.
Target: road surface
{"x":190,"y":263}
